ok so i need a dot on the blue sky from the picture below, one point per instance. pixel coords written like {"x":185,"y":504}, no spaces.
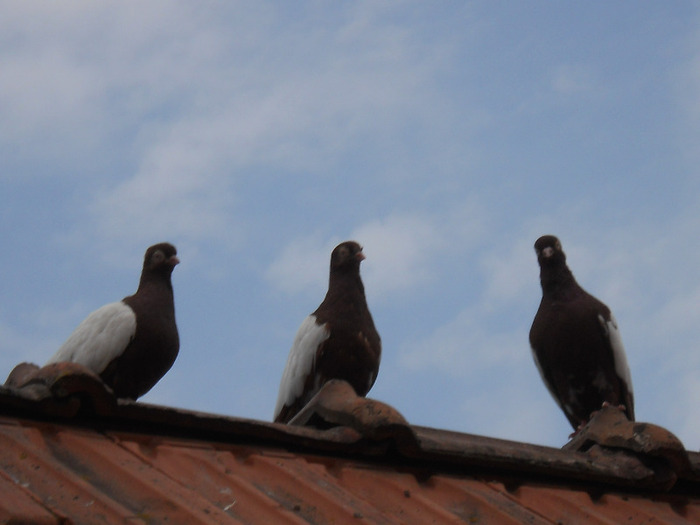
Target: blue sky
{"x":445,"y":138}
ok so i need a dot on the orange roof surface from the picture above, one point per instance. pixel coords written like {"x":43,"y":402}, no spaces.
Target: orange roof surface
{"x":78,"y":459}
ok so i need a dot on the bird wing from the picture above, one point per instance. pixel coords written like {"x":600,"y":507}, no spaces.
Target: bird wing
{"x":301,"y":361}
{"x":100,"y":338}
{"x":612,"y":334}
{"x":545,"y":374}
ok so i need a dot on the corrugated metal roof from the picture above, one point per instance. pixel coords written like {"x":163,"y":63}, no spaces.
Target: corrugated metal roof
{"x":81,"y":460}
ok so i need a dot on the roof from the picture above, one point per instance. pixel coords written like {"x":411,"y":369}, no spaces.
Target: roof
{"x":71,"y":454}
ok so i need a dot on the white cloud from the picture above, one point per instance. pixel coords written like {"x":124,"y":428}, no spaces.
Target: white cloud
{"x":404,"y":251}
{"x":302,"y":265}
{"x":399,"y":250}
{"x":470,"y":344}
{"x":492,"y":332}
{"x":511,"y":272}
{"x":77,"y":75}
{"x":179,"y":191}
{"x":194,"y":107}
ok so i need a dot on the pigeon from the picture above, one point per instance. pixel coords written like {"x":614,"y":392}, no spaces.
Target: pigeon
{"x":576,"y":343}
{"x":337,"y":341}
{"x":131,"y":343}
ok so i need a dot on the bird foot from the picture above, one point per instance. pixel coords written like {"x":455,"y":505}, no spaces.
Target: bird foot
{"x":605,"y":405}
{"x":658,"y":449}
{"x":584,"y":422}
{"x":337,"y":404}
{"x":620,"y":407}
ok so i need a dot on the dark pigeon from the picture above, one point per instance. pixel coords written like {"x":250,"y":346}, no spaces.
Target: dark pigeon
{"x":576,"y":343}
{"x":337,"y":341}
{"x":132,"y":343}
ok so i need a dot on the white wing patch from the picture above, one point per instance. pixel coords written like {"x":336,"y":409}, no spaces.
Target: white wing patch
{"x":301,"y":361}
{"x":101,"y":337}
{"x":619,"y":356}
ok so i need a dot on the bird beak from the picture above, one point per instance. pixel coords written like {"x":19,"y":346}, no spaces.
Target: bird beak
{"x":173,"y":260}
{"x":548,"y":252}
{"x":360,"y":256}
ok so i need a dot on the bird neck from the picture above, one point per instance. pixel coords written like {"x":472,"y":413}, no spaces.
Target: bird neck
{"x":556,"y":279}
{"x":343,"y":284}
{"x":151,"y":281}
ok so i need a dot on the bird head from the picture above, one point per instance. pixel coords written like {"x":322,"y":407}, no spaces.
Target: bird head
{"x":348,"y":255}
{"x":548,"y":250}
{"x":161,"y":256}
